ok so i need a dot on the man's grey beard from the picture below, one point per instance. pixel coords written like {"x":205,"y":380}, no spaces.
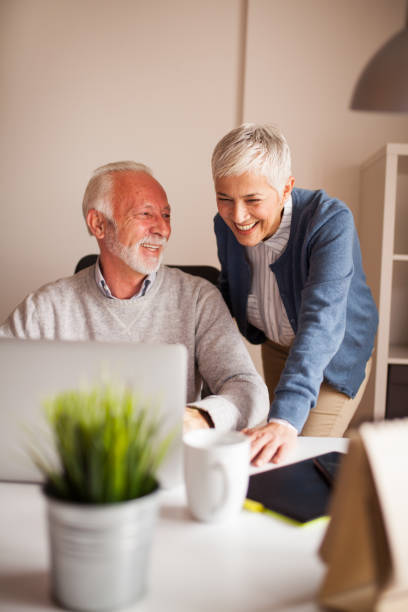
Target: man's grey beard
{"x":132,"y":256}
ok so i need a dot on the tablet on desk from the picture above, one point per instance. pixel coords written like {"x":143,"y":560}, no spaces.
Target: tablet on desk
{"x":299,"y":493}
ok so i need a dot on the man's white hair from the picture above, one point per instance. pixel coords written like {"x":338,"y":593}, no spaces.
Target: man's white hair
{"x":261,"y":149}
{"x":98,"y":192}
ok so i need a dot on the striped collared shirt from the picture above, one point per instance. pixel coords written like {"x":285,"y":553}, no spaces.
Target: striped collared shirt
{"x":265,"y":308}
{"x":103,"y":285}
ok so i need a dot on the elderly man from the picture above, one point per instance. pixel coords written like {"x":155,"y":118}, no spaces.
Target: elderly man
{"x":129,"y":296}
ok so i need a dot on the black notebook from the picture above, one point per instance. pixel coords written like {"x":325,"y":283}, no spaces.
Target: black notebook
{"x":299,"y":492}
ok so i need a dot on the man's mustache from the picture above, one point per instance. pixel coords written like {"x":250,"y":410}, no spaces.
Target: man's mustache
{"x":153,"y":240}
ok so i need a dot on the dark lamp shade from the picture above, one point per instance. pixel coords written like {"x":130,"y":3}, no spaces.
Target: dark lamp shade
{"x":383,"y":84}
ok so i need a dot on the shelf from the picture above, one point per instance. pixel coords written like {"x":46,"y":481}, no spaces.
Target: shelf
{"x":383,"y":231}
{"x":398,"y":354}
{"x":392,"y":148}
{"x":399,"y":304}
{"x":401,"y":207}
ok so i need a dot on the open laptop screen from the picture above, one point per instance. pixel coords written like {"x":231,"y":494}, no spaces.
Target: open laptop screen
{"x":32,"y":370}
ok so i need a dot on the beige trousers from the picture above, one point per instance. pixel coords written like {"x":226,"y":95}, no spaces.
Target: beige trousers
{"x":333,"y":411}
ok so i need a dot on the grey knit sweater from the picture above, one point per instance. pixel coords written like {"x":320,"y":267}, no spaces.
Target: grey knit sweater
{"x":178,"y":309}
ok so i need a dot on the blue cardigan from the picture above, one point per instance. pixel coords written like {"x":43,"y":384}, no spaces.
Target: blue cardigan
{"x":324,"y":291}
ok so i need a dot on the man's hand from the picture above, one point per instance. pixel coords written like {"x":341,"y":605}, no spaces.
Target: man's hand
{"x":272,"y":442}
{"x":193,"y":420}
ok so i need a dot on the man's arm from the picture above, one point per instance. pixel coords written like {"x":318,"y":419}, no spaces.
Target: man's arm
{"x":239,"y":397}
{"x":22,"y":322}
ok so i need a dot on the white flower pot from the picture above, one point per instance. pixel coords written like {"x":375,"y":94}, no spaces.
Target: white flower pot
{"x":99,"y":553}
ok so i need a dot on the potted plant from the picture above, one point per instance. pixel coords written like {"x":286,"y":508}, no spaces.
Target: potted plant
{"x":102,"y":494}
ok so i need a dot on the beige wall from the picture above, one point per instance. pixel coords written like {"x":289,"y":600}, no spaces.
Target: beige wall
{"x":85,"y":82}
{"x":303,"y":60}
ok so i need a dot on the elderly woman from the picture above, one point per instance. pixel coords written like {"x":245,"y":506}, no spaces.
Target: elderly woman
{"x":292,"y":277}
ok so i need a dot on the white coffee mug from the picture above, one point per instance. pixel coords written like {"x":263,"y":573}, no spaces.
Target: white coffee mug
{"x":216,"y":473}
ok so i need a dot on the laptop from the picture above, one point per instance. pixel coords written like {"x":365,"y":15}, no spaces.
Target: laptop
{"x":33,"y":370}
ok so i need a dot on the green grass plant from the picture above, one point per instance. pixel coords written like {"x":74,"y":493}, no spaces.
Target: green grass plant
{"x":108,"y":445}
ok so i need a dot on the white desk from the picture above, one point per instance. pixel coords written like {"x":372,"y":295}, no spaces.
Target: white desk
{"x":255,"y":563}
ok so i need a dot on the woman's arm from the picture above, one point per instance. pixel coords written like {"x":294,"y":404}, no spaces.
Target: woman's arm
{"x":322,"y":316}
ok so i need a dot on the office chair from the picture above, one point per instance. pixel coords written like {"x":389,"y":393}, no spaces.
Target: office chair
{"x":85,"y":262}
{"x":208,"y":272}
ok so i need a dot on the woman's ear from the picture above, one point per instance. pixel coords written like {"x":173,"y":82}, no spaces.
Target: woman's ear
{"x":287,"y":190}
{"x":96,"y":223}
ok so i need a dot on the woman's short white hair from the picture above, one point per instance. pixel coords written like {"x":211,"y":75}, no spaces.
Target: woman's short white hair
{"x":98,"y":192}
{"x":261,"y":149}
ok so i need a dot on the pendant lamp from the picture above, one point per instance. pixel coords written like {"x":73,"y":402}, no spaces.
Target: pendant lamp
{"x":383,"y":84}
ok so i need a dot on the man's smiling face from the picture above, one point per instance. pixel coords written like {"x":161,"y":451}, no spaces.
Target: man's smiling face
{"x":141,"y":225}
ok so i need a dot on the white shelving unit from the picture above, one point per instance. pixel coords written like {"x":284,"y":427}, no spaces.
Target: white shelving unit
{"x":383,"y":231}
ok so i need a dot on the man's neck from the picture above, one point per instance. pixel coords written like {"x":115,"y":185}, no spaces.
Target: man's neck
{"x":122,"y":281}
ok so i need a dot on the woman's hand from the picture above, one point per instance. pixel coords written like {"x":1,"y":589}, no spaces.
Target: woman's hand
{"x":272,"y":442}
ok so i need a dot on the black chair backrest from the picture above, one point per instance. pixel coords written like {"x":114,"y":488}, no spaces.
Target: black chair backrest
{"x":209,"y":272}
{"x":85,"y":262}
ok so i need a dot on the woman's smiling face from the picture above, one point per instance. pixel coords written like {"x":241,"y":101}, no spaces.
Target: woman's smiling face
{"x":250,"y":206}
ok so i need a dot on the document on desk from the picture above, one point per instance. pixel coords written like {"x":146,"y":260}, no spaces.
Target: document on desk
{"x":297,"y":493}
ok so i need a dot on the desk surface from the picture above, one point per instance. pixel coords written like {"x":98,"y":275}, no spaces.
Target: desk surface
{"x":254,"y":563}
